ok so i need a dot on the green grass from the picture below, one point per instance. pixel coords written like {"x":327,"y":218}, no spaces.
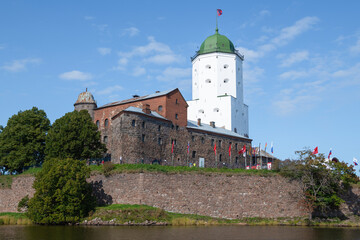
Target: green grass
{"x":141,"y":168}
{"x":10,"y":218}
{"x":5,"y":181}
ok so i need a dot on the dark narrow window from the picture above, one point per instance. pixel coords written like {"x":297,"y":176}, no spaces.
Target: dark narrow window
{"x":236,"y":147}
{"x":236,"y":160}
{"x":177,"y":127}
{"x":176,"y":116}
{"x":106,"y":122}
{"x":143,"y":138}
{"x":159,"y":128}
{"x":133,"y":123}
{"x":172,"y":126}
{"x":193,"y":154}
{"x":159,"y":141}
{"x":143,"y":124}
{"x":105,"y":139}
{"x":193,"y":138}
{"x":202,"y":140}
{"x":220,"y":142}
{"x":212,"y":142}
{"x":220,"y":158}
{"x":98,"y":123}
{"x":176,"y":101}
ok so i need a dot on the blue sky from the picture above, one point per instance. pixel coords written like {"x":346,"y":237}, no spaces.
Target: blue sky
{"x":301,"y":68}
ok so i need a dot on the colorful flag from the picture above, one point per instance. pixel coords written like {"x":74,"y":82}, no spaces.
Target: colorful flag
{"x":355,"y":161}
{"x":315,"y":151}
{"x":329,"y":154}
{"x":215,"y":149}
{"x":243,"y":150}
{"x":265,"y":146}
{"x":272,"y":147}
{"x":230,"y":150}
{"x":188,"y":147}
{"x":172,"y":146}
{"x":219,"y":12}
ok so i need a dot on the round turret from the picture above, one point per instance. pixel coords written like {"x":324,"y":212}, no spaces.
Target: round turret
{"x":87,"y":102}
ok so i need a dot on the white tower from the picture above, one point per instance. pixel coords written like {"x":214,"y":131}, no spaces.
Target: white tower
{"x":217,"y":86}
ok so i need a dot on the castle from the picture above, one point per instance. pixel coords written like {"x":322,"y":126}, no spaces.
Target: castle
{"x":164,"y":128}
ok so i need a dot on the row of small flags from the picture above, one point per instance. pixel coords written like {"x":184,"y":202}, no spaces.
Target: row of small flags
{"x":316,"y":151}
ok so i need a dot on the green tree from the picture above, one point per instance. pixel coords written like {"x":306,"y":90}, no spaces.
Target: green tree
{"x":321,"y":182}
{"x":62,"y":194}
{"x":22,"y":141}
{"x":74,"y":136}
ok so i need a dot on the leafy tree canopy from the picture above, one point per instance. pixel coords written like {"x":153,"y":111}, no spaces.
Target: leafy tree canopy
{"x":74,"y":136}
{"x":22,"y":141}
{"x":62,"y":194}
{"x":322,"y":181}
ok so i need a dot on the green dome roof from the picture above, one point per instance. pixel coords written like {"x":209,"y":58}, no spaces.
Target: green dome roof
{"x":216,"y":43}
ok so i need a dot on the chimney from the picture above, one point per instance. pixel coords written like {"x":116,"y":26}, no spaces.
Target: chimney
{"x":157,"y":91}
{"x":212,"y":123}
{"x":199,"y":121}
{"x":146,"y":108}
{"x":136,"y":96}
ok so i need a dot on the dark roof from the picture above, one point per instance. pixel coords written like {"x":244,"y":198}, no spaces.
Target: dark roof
{"x":154,"y":95}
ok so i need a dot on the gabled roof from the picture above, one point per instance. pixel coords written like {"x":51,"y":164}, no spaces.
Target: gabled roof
{"x":136,"y":110}
{"x":215,"y":130}
{"x":136,"y":99}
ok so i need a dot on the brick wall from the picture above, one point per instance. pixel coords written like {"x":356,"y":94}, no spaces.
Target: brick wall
{"x":217,"y":195}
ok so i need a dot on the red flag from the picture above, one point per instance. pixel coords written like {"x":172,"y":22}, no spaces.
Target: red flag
{"x":315,"y":151}
{"x":243,"y":150}
{"x":172,"y":146}
{"x":219,"y":12}
{"x":230,"y":150}
{"x":215,"y":148}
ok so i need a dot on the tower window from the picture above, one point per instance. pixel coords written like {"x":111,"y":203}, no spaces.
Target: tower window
{"x":106,"y":122}
{"x":159,"y":128}
{"x":176,"y":116}
{"x":226,"y":66}
{"x":208,"y":81}
{"x":143,"y":138}
{"x":216,"y":109}
{"x":201,"y":111}
{"x":98,"y":123}
{"x":143,"y":124}
{"x":226,"y":80}
{"x":202,"y":140}
{"x":133,"y":123}
{"x":160,"y":108}
{"x":235,"y":130}
{"x":208,"y":67}
{"x":105,"y":139}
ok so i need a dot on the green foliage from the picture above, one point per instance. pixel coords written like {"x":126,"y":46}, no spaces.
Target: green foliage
{"x":5,"y":181}
{"x":74,"y":136}
{"x":22,"y":141}
{"x":322,"y":182}
{"x":107,"y":168}
{"x":23,"y":204}
{"x":62,"y":194}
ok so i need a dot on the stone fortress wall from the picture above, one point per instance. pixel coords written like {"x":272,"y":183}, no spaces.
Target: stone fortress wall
{"x":217,"y":195}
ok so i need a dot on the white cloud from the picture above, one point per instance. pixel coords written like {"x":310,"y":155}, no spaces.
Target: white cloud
{"x":131,"y":31}
{"x":88,"y":18}
{"x":292,"y":75}
{"x":138,"y":71}
{"x":101,"y":27}
{"x":356,"y":48}
{"x":110,"y":90}
{"x":104,"y":51}
{"x":264,"y":13}
{"x":163,"y":59}
{"x":152,"y":47}
{"x":295,"y":57}
{"x":172,"y":74}
{"x":289,"y":104}
{"x":20,"y":65}
{"x":75,"y":75}
{"x":121,"y":64}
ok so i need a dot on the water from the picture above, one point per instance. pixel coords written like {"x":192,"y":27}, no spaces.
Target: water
{"x":175,"y":233}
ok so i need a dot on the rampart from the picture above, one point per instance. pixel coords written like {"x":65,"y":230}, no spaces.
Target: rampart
{"x":217,"y":195}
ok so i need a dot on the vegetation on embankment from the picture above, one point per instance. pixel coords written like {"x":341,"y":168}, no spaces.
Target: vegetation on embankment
{"x":7,"y":218}
{"x":6,"y":180}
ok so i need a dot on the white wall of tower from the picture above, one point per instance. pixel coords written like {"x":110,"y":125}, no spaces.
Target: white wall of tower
{"x":217,"y":85}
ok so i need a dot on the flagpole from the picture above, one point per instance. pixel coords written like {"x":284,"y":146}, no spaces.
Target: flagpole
{"x":216,"y":30}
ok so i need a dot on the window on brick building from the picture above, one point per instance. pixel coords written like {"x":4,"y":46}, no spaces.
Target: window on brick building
{"x":193,"y":154}
{"x":176,"y":101}
{"x":220,"y":158}
{"x":98,"y":123}
{"x":172,"y":126}
{"x":193,"y":138}
{"x":212,"y":142}
{"x":236,"y":160}
{"x":106,"y":122}
{"x":143,"y":124}
{"x":159,"y":141}
{"x":160,"y":108}
{"x":143,"y":138}
{"x":236,"y":147}
{"x":220,"y":143}
{"x":177,"y":127}
{"x":105,"y":139}
{"x":159,"y":128}
{"x":202,"y":140}
{"x":133,"y":123}
{"x":176,"y":116}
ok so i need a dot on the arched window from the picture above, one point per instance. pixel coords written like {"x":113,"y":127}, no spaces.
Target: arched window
{"x":176,"y":116}
{"x":106,"y":122}
{"x":208,"y":67}
{"x":226,"y":80}
{"x":202,"y":140}
{"x":226,"y":66}
{"x":216,"y":109}
{"x":201,"y":111}
{"x":208,"y":81}
{"x":98,"y":123}
{"x":160,"y":108}
{"x":133,"y":123}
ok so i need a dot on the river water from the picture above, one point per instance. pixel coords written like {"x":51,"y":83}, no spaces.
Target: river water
{"x":174,"y":233}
